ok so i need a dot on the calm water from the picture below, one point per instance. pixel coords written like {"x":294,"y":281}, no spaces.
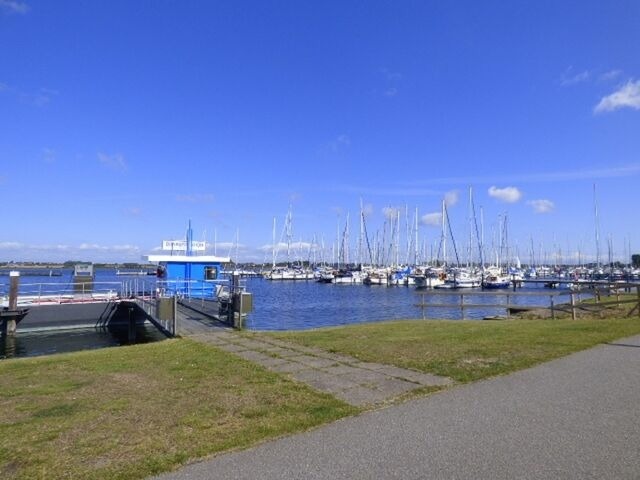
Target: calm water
{"x":31,"y":344}
{"x":277,"y":306}
{"x":302,"y":305}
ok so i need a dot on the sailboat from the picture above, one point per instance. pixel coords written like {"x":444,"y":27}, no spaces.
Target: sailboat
{"x":289,"y":272}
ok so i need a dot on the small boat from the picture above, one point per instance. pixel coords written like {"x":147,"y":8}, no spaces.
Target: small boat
{"x":347,"y":277}
{"x":495,"y":278}
{"x":460,"y":278}
{"x":377,"y":277}
{"x":496,"y":281}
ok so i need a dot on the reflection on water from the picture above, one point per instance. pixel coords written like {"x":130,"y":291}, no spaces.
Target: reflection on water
{"x":33,"y":344}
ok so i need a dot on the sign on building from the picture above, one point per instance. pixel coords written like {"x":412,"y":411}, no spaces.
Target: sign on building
{"x":181,"y":246}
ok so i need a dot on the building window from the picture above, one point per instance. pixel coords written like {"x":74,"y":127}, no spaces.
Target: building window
{"x":210,"y":273}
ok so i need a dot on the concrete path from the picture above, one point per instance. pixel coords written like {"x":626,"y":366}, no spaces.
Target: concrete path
{"x":355,"y":382}
{"x":573,"y":418}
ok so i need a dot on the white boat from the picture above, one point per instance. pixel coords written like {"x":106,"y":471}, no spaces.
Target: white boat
{"x":348,"y":277}
{"x":495,"y":278}
{"x":377,"y":277}
{"x":496,"y":281}
{"x":430,"y":279}
{"x":460,"y":278}
{"x":287,"y":273}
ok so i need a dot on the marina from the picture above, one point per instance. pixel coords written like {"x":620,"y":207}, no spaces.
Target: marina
{"x":185,"y":291}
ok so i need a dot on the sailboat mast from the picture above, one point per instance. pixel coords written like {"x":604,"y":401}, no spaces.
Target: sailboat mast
{"x":360,"y":238}
{"x":273,"y":250}
{"x":416,"y":260}
{"x":597,"y":226}
{"x":469,"y":259}
{"x":397,"y":245}
{"x":444,"y":237}
{"x":289,"y":235}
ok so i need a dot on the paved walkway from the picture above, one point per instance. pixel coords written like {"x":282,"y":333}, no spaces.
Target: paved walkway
{"x":355,"y":382}
{"x":573,"y":418}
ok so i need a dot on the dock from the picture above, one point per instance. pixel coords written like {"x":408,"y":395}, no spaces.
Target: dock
{"x":39,"y":307}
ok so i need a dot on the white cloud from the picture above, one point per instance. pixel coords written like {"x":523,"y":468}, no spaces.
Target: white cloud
{"x":337,"y":210}
{"x":400,"y":191}
{"x":558,"y":176}
{"x":114,"y":162}
{"x":13,"y":6}
{"x":391,"y":76}
{"x":367,"y":209}
{"x":626,"y":96}
{"x":390,"y":213}
{"x":391,"y":79}
{"x":570,"y":78}
{"x":48,"y":155}
{"x":10,"y":245}
{"x":341,"y":142}
{"x":610,"y":75}
{"x":39,"y":98}
{"x":434,"y":219}
{"x":195,"y":198}
{"x":281,"y":247}
{"x":60,"y":252}
{"x":133,"y":211}
{"x":451,"y":198}
{"x":507,"y":194}
{"x":108,"y":248}
{"x":542,"y":206}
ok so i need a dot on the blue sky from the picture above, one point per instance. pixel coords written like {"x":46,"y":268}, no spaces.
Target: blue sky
{"x":122,"y":120}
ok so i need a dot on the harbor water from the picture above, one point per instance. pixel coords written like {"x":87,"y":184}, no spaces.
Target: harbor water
{"x":278,"y":305}
{"x":299,"y":305}
{"x":34,"y":344}
{"x":37,"y":343}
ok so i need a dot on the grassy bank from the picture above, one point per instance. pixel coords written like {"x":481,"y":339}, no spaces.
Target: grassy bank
{"x":466,"y":350}
{"x":130,"y":412}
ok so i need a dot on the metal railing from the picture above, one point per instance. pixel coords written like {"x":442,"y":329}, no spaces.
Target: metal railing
{"x":573,"y":304}
{"x":57,"y":293}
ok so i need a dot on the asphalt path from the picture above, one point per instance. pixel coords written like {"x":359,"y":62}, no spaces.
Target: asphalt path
{"x":576,"y":417}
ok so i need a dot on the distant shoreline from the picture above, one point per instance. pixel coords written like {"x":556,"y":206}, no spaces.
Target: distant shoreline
{"x":40,"y":266}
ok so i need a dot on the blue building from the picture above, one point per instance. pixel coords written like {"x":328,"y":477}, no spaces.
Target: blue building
{"x":183,"y":272}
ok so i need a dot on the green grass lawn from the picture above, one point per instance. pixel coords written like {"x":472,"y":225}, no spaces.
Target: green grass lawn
{"x":466,"y":350}
{"x":130,"y":412}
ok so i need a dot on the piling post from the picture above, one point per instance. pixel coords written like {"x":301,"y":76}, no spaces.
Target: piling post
{"x":638,"y":295}
{"x":240,"y":326}
{"x":462,"y":305}
{"x":14,"y":285}
{"x":553,"y":313}
{"x":174,"y":326}
{"x":132,"y":326}
{"x":573,"y":306}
